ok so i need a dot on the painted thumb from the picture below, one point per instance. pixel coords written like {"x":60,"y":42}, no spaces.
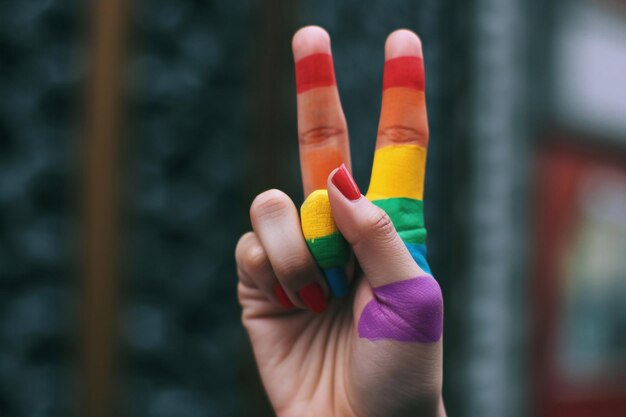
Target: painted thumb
{"x":368,"y":229}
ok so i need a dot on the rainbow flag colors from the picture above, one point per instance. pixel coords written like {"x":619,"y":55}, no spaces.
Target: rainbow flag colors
{"x":328,"y":247}
{"x":397,"y":183}
{"x":319,"y":108}
{"x":402,"y":199}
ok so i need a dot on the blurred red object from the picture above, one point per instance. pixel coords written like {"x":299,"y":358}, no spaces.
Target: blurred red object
{"x":579,"y":360}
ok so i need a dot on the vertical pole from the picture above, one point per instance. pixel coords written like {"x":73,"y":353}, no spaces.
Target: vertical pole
{"x":100,"y":257}
{"x":274,"y":140}
{"x":499,"y":163}
{"x":272,"y":143}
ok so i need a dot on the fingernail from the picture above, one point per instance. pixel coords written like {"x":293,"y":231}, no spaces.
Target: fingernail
{"x":284,"y":301}
{"x":313,"y":297}
{"x":345,"y":183}
{"x":337,"y":281}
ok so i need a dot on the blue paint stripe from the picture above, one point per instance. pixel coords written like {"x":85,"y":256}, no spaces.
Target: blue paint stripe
{"x":418,"y":252}
{"x":337,"y":281}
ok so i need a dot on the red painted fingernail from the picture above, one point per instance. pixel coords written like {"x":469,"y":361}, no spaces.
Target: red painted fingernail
{"x":313,"y":297}
{"x":345,"y":183}
{"x":284,"y":301}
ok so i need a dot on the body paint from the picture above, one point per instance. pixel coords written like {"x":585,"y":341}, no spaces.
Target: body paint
{"x":403,"y":117}
{"x":404,"y":71}
{"x":401,"y":105}
{"x":397,"y":183}
{"x":418,"y":253}
{"x":397,"y":180}
{"x":314,"y":71}
{"x":405,"y":311}
{"x":319,"y":121}
{"x":326,"y":244}
{"x":320,"y":161}
{"x":395,"y":162}
{"x":323,"y":144}
{"x":407,"y":216}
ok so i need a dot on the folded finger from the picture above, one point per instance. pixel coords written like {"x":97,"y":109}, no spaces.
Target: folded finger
{"x":276,"y":222}
{"x":329,"y":248}
{"x":255,"y":270}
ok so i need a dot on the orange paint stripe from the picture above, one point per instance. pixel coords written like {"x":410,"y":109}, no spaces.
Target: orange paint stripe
{"x":403,"y":118}
{"x":317,"y":163}
{"x":317,"y":109}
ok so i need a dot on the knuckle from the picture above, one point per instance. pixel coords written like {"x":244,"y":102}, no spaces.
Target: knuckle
{"x":320,"y":134}
{"x":404,"y":134}
{"x":250,"y":255}
{"x":255,"y":260}
{"x":292,"y":266}
{"x":241,"y":246}
{"x":271,"y":203}
{"x":380,"y":227}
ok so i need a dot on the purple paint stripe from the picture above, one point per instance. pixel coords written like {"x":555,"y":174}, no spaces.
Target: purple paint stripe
{"x":406,"y":311}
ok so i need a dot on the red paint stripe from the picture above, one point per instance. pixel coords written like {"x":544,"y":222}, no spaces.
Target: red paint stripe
{"x":405,"y":71}
{"x":314,"y":71}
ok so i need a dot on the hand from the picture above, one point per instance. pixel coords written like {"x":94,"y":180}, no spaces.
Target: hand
{"x":330,"y":337}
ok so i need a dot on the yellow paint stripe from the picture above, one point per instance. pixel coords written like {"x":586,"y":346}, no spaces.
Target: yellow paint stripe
{"x":316,"y":215}
{"x":398,"y":172}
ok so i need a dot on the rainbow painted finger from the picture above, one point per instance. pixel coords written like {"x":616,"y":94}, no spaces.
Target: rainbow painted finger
{"x":328,"y":247}
{"x":323,"y":144}
{"x":314,"y":71}
{"x":410,"y":310}
{"x":397,"y":187}
{"x":321,"y":126}
{"x":397,"y":182}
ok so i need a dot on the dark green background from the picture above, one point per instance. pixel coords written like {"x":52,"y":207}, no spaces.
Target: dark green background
{"x":209,"y":123}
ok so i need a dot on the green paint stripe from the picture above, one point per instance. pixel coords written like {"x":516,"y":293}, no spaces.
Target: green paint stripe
{"x":407,"y":215}
{"x":329,"y":251}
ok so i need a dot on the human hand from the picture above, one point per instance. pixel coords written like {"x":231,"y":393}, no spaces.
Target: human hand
{"x":378,"y":350}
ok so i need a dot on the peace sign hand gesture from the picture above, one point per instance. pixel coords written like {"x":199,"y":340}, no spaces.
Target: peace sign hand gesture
{"x":331,"y":338}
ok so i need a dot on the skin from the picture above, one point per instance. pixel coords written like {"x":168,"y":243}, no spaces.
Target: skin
{"x":316,"y":364}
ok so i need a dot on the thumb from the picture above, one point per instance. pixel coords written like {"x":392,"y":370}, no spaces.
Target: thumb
{"x":407,"y":305}
{"x":368,"y":229}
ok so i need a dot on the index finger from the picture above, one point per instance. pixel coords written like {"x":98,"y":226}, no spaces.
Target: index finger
{"x":322,"y":130}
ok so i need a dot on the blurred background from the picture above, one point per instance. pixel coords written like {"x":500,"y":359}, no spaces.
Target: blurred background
{"x":134,"y":136}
